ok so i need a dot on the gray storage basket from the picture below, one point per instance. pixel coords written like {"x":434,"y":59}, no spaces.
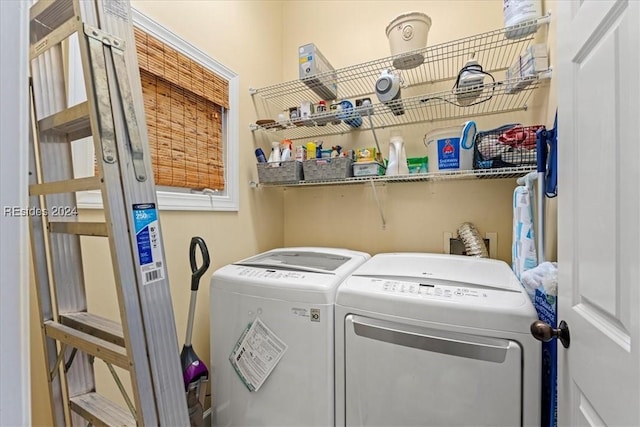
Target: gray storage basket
{"x":280,"y":173}
{"x":327,"y":169}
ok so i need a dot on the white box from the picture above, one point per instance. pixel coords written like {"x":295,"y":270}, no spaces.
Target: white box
{"x":524,"y":70}
{"x":533,"y":66}
{"x":368,"y":169}
{"x":535,"y":51}
{"x":317,"y":73}
{"x":306,"y":109}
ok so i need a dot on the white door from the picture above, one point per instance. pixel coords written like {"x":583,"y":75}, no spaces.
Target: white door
{"x":599,"y":211}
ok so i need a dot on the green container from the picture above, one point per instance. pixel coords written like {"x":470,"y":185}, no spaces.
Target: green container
{"x":418,"y":164}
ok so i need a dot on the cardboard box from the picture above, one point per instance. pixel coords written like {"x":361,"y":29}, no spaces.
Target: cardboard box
{"x":317,"y":73}
{"x":367,"y":154}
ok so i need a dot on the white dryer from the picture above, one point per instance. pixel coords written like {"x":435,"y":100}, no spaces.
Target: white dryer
{"x":435,"y":340}
{"x":272,"y":336}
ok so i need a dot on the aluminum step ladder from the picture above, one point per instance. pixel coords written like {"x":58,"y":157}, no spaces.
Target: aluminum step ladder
{"x":144,"y":342}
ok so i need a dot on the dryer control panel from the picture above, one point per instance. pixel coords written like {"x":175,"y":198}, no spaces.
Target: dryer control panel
{"x":453,"y":292}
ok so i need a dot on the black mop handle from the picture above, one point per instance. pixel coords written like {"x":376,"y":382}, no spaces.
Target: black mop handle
{"x":198,"y":272}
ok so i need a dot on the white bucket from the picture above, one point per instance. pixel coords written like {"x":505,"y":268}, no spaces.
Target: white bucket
{"x":520,"y":11}
{"x":451,"y":149}
{"x":408,"y":32}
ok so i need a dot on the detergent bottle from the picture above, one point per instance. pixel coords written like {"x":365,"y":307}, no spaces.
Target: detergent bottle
{"x":397,"y":157}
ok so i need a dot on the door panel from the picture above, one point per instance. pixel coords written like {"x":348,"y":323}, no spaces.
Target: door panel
{"x":401,"y":375}
{"x":599,"y":216}
{"x":587,"y":414}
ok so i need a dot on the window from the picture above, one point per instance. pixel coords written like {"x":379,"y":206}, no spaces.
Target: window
{"x":191,"y":103}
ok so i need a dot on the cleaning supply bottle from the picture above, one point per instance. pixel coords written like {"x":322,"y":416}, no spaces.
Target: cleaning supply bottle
{"x":275,"y":152}
{"x":286,"y":151}
{"x":260,"y":155}
{"x":311,"y":150}
{"x":397,"y":157}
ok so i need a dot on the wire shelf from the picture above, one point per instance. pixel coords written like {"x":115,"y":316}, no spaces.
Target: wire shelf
{"x":514,"y":172}
{"x":493,"y":50}
{"x":491,"y":98}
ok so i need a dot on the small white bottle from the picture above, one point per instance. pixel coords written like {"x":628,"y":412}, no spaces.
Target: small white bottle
{"x":275,"y":152}
{"x":286,"y":152}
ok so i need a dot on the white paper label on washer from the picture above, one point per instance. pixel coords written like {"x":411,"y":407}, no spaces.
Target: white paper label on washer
{"x":256,"y":354}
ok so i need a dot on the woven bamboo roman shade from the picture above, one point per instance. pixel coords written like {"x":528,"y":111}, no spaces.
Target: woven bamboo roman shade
{"x":183,"y":104}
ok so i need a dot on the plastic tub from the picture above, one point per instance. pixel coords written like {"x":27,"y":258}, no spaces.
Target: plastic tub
{"x":408,"y":32}
{"x":451,"y":148}
{"x":518,"y":12}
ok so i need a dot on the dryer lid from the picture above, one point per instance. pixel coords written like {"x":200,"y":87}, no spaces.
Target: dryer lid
{"x":441,"y":269}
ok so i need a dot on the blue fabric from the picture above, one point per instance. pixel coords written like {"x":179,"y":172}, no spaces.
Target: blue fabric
{"x":551,"y":177}
{"x":547,"y":147}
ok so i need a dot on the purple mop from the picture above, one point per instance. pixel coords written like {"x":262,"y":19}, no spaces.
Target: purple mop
{"x":194,"y":370}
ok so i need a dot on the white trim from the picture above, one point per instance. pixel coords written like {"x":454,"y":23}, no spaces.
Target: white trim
{"x":15,"y":387}
{"x":229,"y":199}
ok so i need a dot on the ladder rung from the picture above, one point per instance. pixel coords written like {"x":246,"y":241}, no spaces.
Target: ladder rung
{"x":54,"y":37}
{"x":97,"y":326}
{"x":97,"y":229}
{"x":73,"y":121}
{"x":97,"y":347}
{"x":100,"y":411}
{"x":67,"y":186}
{"x":50,"y":14}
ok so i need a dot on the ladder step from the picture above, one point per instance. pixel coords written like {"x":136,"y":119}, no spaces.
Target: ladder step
{"x":97,"y":347}
{"x":97,"y":326}
{"x":96,"y":229}
{"x":100,"y":411}
{"x":50,"y":14}
{"x":67,"y":186}
{"x":52,"y":38}
{"x":73,"y":122}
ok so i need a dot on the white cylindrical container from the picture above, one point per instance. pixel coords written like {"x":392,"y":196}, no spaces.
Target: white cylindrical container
{"x":451,"y":148}
{"x":517,"y":12}
{"x":408,"y":32}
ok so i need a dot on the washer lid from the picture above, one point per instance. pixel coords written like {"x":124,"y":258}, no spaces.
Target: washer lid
{"x":303,"y":274}
{"x":434,"y":269}
{"x":290,"y":259}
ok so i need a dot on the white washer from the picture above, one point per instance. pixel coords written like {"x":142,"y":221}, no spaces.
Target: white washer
{"x":292,"y":292}
{"x":438,"y":340}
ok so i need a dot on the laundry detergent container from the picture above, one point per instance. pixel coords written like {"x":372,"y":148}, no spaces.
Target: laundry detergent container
{"x":408,"y":32}
{"x":272,"y":337}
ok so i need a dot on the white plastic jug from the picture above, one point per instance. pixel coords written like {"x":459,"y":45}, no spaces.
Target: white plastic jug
{"x":520,"y":11}
{"x":397,"y":157}
{"x":451,"y":148}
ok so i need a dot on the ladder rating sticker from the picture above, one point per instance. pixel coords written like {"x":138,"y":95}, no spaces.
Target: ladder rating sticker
{"x":256,"y":354}
{"x":117,"y":8}
{"x":145,"y":217}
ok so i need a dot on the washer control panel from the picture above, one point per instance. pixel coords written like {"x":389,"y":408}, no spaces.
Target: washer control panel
{"x":267,"y":273}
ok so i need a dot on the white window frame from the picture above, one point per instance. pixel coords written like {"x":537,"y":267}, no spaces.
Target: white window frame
{"x":171,"y":198}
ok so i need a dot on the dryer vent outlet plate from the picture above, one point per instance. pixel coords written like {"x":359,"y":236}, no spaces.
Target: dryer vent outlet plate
{"x":456,"y":246}
{"x":450,"y":245}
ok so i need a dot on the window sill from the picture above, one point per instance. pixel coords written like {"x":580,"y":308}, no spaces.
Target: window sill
{"x":171,"y":201}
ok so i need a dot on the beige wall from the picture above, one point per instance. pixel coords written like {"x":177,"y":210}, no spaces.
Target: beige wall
{"x":259,"y":41}
{"x":416,"y":214}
